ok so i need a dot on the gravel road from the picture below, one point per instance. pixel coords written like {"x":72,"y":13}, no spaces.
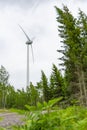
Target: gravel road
{"x":10,"y":119}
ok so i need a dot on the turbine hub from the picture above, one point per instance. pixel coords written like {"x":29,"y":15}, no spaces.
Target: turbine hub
{"x":29,"y":42}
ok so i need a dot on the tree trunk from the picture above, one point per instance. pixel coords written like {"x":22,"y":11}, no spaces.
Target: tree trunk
{"x":84,"y":87}
{"x":80,"y":87}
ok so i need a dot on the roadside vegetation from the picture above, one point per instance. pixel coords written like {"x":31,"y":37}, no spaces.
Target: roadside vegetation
{"x":48,"y":116}
{"x":60,"y":101}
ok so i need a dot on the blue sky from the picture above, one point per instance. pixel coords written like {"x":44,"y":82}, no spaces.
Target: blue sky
{"x":38,"y":18}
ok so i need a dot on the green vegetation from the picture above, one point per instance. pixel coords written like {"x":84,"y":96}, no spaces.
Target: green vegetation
{"x":58,"y":102}
{"x":2,"y":128}
{"x":73,"y":32}
{"x":19,"y":111}
{"x":47,"y":117}
{"x":43,"y":91}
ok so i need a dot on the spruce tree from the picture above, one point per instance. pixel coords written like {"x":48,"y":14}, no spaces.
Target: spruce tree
{"x":74,"y":34}
{"x":45,"y":87}
{"x":57,"y":87}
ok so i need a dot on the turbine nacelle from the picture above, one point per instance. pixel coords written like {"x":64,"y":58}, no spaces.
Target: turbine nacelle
{"x":29,"y":42}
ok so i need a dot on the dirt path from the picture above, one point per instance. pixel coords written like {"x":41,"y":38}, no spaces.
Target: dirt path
{"x":10,"y":119}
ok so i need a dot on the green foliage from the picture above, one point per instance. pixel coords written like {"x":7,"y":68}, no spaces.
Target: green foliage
{"x":73,"y":32}
{"x":30,"y":108}
{"x":1,"y":118}
{"x":2,"y":128}
{"x":44,"y":86}
{"x":42,"y":114}
{"x":48,"y":116}
{"x":40,"y":117}
{"x":42,"y":92}
{"x":48,"y":106}
{"x":71,"y":118}
{"x":57,"y":86}
{"x":4,"y":76}
{"x":68,"y":119}
{"x":19,"y":111}
{"x":33,"y":95}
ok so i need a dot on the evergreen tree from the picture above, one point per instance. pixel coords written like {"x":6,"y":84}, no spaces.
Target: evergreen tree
{"x":82,"y":63}
{"x":44,"y":86}
{"x":10,"y":96}
{"x":73,"y":34}
{"x":34,"y":95}
{"x":57,"y":87}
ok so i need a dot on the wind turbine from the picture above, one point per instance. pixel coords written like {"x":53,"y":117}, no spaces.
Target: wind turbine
{"x":29,"y":42}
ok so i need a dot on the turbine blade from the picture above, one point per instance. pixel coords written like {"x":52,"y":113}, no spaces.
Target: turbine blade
{"x":24,"y":32}
{"x":32,"y":53}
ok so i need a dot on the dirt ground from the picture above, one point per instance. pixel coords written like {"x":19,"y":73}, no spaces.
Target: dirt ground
{"x":10,"y":119}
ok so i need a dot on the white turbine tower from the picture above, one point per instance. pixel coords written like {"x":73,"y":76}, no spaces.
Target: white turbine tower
{"x":29,"y":42}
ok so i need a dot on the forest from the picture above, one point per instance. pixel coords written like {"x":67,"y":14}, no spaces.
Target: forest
{"x":58,"y":102}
